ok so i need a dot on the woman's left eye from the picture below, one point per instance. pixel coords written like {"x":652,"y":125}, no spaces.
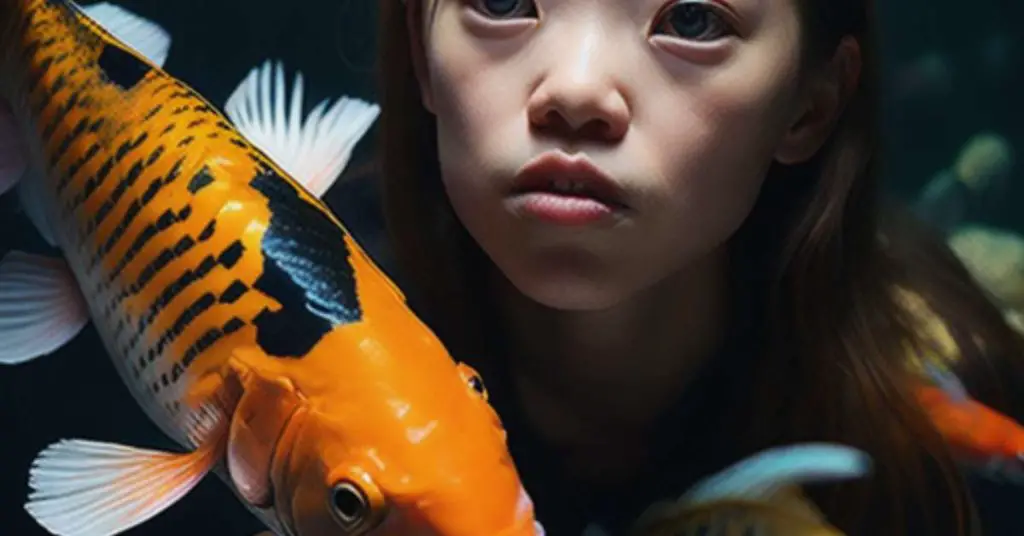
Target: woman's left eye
{"x":694,"y":21}
{"x":505,"y":9}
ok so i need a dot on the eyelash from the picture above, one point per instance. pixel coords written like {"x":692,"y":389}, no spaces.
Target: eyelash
{"x":718,"y":20}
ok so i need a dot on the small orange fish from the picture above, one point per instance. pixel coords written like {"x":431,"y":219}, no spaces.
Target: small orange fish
{"x":244,"y":319}
{"x":974,"y":431}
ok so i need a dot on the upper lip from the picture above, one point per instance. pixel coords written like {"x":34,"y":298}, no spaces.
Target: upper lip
{"x":540,"y":173}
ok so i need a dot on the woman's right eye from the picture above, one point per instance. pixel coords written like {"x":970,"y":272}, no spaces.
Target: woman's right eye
{"x":505,"y":9}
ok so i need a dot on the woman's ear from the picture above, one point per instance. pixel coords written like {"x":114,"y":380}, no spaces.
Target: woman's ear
{"x":415,"y":23}
{"x":825,"y":97}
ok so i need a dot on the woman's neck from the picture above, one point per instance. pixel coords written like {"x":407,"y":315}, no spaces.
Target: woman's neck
{"x":593,"y":383}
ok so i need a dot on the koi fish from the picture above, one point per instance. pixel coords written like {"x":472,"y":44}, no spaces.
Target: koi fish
{"x":759,"y":495}
{"x":977,"y":434}
{"x":245,"y":320}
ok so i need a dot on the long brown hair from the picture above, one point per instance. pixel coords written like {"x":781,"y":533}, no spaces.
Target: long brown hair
{"x":834,"y":363}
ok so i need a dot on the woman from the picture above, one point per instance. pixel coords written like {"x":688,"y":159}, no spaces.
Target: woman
{"x":654,"y":226}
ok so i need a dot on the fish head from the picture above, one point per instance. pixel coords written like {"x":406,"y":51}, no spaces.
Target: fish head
{"x":401,"y":447}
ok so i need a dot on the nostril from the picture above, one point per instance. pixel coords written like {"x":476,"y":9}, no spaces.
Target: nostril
{"x":555,"y":124}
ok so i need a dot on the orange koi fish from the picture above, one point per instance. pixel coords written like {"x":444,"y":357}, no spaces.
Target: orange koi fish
{"x":242,"y":316}
{"x":978,"y":434}
{"x":759,"y":495}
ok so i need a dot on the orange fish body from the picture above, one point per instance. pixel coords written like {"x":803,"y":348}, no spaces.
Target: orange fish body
{"x":971,"y":428}
{"x":244,"y":319}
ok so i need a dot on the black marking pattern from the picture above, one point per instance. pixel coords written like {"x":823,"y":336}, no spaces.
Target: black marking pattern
{"x":121,"y":67}
{"x":200,"y":180}
{"x":305,"y":268}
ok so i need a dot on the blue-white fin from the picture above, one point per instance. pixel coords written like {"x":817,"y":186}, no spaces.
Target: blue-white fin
{"x":315,"y":152}
{"x":41,"y":306}
{"x":760,"y":476}
{"x":947,"y":381}
{"x":13,"y":156}
{"x":145,"y":36}
{"x":31,"y":197}
{"x":89,"y":488}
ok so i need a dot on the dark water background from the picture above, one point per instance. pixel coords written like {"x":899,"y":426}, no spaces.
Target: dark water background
{"x":76,"y":393}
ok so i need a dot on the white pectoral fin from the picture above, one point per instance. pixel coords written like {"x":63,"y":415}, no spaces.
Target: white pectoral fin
{"x":315,"y":152}
{"x":761,"y":475}
{"x":41,"y":306}
{"x":89,"y":488}
{"x":13,"y":158}
{"x":144,"y":35}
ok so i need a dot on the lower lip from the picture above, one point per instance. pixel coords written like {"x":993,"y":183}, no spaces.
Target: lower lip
{"x":562,"y":209}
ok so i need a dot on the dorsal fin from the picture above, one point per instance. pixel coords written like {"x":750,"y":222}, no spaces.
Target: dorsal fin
{"x":145,"y":36}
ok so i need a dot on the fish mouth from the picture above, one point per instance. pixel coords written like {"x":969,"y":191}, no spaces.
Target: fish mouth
{"x":555,"y":172}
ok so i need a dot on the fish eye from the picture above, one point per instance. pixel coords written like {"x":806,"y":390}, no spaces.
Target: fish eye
{"x":477,"y":384}
{"x":350,"y":506}
{"x":473,"y":380}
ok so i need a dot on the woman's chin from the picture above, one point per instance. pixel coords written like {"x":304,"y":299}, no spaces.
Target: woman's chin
{"x":576,"y":294}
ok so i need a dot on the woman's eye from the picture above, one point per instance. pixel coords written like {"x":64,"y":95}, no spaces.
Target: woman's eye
{"x":694,"y":21}
{"x":505,"y":9}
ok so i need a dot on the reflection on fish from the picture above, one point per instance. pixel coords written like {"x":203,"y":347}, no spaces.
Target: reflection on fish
{"x":759,"y":495}
{"x":243,"y":318}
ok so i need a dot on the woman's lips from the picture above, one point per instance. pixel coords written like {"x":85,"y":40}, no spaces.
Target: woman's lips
{"x":565,"y":190}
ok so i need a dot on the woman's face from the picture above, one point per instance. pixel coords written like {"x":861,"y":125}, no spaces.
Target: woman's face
{"x":595,"y":147}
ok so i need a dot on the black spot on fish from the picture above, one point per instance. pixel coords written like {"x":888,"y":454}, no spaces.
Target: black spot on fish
{"x":231,"y":254}
{"x":305,"y":268}
{"x":77,"y":166}
{"x":152,"y":112}
{"x":234,"y":291}
{"x":155,"y":155}
{"x":176,"y":372}
{"x":207,"y":231}
{"x":183,"y":94}
{"x":233,"y":325}
{"x":68,"y":140}
{"x":121,"y":67}
{"x":97,"y":125}
{"x":200,"y":180}
{"x":58,"y":84}
{"x":61,"y":114}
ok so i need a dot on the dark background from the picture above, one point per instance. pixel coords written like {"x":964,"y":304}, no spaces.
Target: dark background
{"x":76,"y":393}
